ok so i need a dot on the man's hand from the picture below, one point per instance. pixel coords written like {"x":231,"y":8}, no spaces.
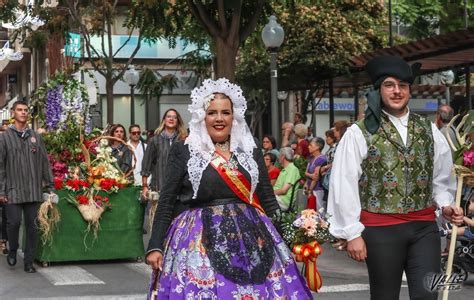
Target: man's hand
{"x":155,"y":260}
{"x":3,"y":199}
{"x":145,"y":192}
{"x":453,"y":214}
{"x":356,"y":249}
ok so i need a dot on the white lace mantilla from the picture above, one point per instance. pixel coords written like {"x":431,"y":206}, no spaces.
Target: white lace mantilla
{"x":200,"y":145}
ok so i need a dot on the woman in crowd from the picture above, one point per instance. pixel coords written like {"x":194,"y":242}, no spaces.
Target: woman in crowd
{"x":301,"y":143}
{"x":273,"y":172}
{"x":269,"y":145}
{"x":224,"y":246}
{"x":338,"y":131}
{"x":171,"y":129}
{"x":120,"y":150}
{"x":313,"y":183}
{"x":331,"y":142}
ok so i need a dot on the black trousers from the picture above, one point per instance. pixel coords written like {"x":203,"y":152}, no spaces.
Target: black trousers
{"x":4,"y":235}
{"x":413,"y":247}
{"x":14,"y":212}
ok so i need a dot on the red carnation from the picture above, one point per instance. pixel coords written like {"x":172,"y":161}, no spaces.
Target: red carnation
{"x":83,"y":200}
{"x":58,"y":183}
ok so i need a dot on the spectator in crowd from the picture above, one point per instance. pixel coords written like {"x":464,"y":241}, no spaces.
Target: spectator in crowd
{"x":269,"y":145}
{"x":288,"y":178}
{"x":287,"y":134}
{"x":313,"y":184}
{"x":301,"y":143}
{"x":273,"y":171}
{"x":390,"y":171}
{"x":171,"y":129}
{"x":139,"y":148}
{"x":338,"y":131}
{"x":340,"y":128}
{"x":119,"y":149}
{"x":331,"y":142}
{"x":444,"y":115}
{"x":309,"y":135}
{"x":24,"y":175}
{"x":297,"y":119}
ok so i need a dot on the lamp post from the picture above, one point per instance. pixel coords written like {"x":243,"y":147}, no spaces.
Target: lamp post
{"x":131,"y":77}
{"x":272,"y":36}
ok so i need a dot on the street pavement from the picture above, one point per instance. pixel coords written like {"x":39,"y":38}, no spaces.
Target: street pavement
{"x":343,"y":278}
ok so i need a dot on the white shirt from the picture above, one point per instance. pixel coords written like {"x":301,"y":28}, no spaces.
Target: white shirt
{"x":344,"y":203}
{"x":139,"y":153}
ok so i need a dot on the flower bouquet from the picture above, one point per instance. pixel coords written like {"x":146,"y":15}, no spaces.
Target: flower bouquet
{"x":304,"y":233}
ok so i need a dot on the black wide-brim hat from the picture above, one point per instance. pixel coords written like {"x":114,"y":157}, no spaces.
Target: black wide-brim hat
{"x":381,"y":67}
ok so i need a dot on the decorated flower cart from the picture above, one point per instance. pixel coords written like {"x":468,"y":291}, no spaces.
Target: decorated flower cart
{"x":97,"y":216}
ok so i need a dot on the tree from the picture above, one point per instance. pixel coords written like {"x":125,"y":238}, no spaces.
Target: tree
{"x":220,"y":25}
{"x":320,"y":39}
{"x":96,"y":19}
{"x":424,"y":18}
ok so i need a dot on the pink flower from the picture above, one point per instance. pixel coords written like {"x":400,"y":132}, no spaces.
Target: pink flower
{"x":468,"y":158}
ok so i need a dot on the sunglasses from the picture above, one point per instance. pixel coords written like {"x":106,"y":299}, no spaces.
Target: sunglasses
{"x":135,"y":133}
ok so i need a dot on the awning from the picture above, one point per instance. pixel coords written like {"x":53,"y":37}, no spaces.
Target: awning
{"x":443,"y":52}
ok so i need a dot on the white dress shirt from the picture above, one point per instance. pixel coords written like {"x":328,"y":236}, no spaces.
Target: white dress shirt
{"x":139,"y":153}
{"x":344,"y":203}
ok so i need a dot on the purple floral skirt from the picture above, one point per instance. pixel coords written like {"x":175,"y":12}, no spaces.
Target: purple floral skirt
{"x":229,"y":251}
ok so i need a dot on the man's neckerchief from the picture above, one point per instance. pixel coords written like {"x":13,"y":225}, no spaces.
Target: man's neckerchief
{"x":23,"y":134}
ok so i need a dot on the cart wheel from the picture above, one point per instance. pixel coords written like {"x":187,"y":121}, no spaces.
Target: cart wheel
{"x":45,"y":264}
{"x":139,"y":259}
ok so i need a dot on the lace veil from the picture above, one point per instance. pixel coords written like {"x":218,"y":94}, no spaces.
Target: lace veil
{"x":200,"y":145}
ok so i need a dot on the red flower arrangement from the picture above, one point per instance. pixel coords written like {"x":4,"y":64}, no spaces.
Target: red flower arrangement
{"x":58,"y":183}
{"x":76,"y":184}
{"x":108,"y":184}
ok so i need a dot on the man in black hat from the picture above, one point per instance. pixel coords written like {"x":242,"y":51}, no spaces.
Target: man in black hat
{"x":391,"y":171}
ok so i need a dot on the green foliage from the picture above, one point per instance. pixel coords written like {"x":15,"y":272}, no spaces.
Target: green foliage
{"x":425,"y":18}
{"x":319,"y":40}
{"x":149,"y":85}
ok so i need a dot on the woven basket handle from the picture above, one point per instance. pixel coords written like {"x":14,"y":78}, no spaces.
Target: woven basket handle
{"x":126,"y":175}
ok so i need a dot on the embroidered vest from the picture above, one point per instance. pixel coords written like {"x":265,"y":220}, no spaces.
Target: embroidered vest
{"x":397,"y":178}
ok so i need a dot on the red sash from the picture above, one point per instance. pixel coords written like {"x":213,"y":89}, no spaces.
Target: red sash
{"x":236,"y":181}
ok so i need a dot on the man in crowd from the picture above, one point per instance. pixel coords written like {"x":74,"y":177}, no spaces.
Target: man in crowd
{"x":139,"y":150}
{"x":390,"y":172}
{"x":24,"y":173}
{"x":287,"y":134}
{"x":289,"y":176}
{"x":444,"y":115}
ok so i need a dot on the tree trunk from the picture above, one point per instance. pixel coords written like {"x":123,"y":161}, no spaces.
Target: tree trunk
{"x":109,"y":89}
{"x":225,"y":59}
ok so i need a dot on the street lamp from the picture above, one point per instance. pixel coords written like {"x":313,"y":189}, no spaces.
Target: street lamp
{"x":272,"y":36}
{"x":131,"y":77}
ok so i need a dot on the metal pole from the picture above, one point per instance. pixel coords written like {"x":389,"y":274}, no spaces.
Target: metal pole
{"x":468,"y":87}
{"x":390,"y":35}
{"x":313,"y":113}
{"x":331,"y":103}
{"x":274,"y":96}
{"x":466,"y":15}
{"x":356,"y":102}
{"x":132,"y":105}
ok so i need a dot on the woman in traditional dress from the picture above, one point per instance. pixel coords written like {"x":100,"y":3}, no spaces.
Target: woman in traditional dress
{"x":224,"y":245}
